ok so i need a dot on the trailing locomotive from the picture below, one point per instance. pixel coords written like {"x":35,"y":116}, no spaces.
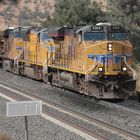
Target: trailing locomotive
{"x":93,"y":60}
{"x":1,"y":46}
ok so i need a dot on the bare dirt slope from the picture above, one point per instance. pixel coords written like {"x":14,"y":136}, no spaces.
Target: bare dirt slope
{"x":26,"y":12}
{"x":29,"y":12}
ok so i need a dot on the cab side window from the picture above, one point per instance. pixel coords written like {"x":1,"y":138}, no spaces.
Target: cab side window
{"x":45,"y":37}
{"x":26,"y":36}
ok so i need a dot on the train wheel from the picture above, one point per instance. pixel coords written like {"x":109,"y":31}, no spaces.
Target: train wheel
{"x":81,"y":90}
{"x":45,"y":78}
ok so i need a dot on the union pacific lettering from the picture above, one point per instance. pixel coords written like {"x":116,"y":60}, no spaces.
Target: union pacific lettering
{"x":109,"y":58}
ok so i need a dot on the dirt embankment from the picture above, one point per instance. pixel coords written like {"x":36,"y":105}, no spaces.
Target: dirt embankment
{"x":25,"y":12}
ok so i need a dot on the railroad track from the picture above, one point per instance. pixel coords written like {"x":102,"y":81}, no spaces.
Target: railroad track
{"x":15,"y":96}
{"x":19,"y":94}
{"x":119,"y":106}
{"x":131,"y":104}
{"x":134,"y":103}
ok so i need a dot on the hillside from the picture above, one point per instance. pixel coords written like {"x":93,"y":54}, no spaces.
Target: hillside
{"x":25,"y":12}
{"x":28,"y":12}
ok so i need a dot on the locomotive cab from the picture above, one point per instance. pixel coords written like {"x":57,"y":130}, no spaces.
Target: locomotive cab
{"x":110,"y":45}
{"x":109,"y":59}
{"x":93,"y":60}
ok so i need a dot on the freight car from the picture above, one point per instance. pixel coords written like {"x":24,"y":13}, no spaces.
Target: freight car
{"x":92,"y":60}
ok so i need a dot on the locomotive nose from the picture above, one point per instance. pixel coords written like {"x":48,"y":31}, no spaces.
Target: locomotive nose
{"x":121,"y":57}
{"x":114,"y":59}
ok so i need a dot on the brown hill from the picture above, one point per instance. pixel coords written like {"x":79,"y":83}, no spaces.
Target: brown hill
{"x":28,"y":12}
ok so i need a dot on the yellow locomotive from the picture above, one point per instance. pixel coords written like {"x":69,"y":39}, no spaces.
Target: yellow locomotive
{"x":93,"y":60}
{"x":1,"y":46}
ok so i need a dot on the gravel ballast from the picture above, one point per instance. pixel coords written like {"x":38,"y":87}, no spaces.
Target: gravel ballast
{"x":75,"y":101}
{"x":39,"y":128}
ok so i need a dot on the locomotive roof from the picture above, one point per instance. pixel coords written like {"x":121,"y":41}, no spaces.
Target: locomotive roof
{"x":103,"y":24}
{"x":100,"y":27}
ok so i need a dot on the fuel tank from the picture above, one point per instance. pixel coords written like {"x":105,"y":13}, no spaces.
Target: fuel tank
{"x":66,"y":80}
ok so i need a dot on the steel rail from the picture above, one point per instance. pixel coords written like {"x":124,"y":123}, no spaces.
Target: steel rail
{"x":120,"y":107}
{"x":133,"y":102}
{"x":90,"y":119}
{"x":78,"y":127}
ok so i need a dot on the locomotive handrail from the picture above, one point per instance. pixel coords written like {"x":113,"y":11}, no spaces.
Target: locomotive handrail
{"x":17,"y":57}
{"x":16,"y":63}
{"x":134,"y":72}
{"x":45,"y":64}
{"x":91,"y":68}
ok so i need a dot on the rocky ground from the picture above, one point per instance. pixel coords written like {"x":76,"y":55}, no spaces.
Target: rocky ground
{"x":39,"y":128}
{"x":44,"y":129}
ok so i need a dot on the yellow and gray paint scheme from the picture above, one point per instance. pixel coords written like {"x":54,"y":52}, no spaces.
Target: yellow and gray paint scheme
{"x":93,"y":60}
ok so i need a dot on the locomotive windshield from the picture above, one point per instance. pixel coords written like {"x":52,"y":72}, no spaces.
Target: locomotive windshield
{"x":90,"y":36}
{"x":22,"y":34}
{"x":17,"y":35}
{"x":97,"y":33}
{"x":118,"y":36}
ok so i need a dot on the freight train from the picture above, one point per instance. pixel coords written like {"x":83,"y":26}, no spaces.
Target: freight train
{"x":92,"y":60}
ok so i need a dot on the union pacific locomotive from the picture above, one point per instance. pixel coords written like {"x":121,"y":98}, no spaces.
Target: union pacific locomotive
{"x":92,"y":60}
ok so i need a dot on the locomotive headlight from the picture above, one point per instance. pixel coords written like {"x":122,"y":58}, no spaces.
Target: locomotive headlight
{"x":110,"y":47}
{"x":124,"y":69}
{"x":100,"y":69}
